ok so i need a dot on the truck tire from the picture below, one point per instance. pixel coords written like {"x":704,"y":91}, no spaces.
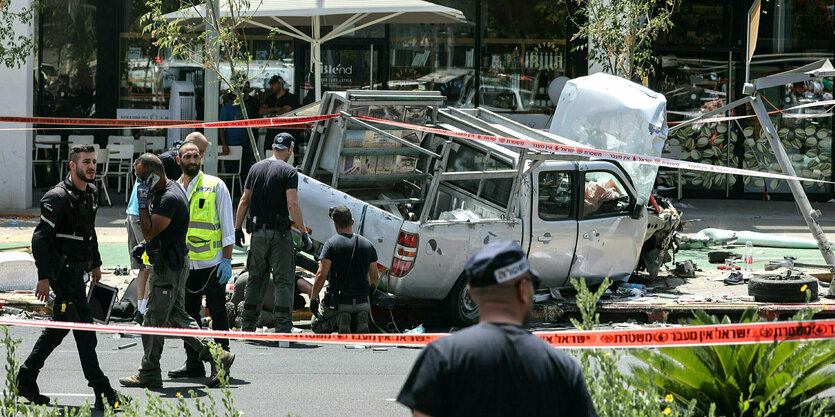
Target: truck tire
{"x":782,"y":289}
{"x":459,"y":308}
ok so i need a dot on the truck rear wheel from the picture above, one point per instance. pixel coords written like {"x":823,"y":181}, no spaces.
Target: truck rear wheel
{"x":459,"y":308}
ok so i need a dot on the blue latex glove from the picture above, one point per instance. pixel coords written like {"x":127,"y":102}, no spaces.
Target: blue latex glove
{"x":143,"y":192}
{"x":224,"y":271}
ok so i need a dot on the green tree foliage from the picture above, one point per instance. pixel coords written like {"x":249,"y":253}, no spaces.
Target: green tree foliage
{"x":15,"y":46}
{"x":621,"y":32}
{"x":212,"y":40}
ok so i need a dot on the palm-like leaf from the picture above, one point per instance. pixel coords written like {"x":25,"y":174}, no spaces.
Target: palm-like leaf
{"x":781,"y":375}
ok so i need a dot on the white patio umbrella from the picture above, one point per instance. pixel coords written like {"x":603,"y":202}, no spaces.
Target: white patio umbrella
{"x":345,"y":16}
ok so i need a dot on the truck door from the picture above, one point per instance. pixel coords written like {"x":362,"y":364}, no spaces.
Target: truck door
{"x":608,"y":240}
{"x":553,"y":222}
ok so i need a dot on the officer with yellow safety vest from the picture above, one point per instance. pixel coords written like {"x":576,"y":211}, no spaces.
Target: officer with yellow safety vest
{"x":209,"y":240}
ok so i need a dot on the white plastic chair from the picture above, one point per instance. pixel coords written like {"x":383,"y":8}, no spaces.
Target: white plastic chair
{"x":119,"y":140}
{"x":155,"y":144}
{"x":103,"y":168}
{"x":139,"y":146}
{"x":40,"y":152}
{"x":235,"y":154}
{"x":120,"y":161}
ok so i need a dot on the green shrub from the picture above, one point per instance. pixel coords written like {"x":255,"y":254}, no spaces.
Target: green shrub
{"x":764,"y":379}
{"x":612,"y":392}
{"x":757,"y":380}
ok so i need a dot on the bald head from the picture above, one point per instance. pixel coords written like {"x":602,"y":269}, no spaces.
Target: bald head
{"x":198,"y":139}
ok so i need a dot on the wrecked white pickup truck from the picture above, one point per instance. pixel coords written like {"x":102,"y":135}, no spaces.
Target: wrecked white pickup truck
{"x":428,"y":202}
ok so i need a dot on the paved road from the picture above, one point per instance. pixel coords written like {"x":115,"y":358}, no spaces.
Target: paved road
{"x":266,"y":381}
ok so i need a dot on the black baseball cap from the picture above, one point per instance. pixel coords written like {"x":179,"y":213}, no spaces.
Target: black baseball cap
{"x":283,"y":141}
{"x":341,"y":213}
{"x":276,"y":79}
{"x":497,"y":263}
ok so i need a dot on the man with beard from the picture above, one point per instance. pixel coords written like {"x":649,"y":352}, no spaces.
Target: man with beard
{"x":163,"y":215}
{"x":209,"y":240}
{"x":497,"y":368}
{"x":66,"y":249}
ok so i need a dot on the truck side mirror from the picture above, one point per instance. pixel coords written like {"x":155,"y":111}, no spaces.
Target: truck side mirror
{"x":637,"y":209}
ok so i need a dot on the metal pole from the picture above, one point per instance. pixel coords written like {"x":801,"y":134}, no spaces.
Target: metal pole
{"x":316,"y":57}
{"x":809,"y":214}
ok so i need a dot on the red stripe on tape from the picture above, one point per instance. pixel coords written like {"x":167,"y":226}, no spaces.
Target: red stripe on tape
{"x":723,"y":334}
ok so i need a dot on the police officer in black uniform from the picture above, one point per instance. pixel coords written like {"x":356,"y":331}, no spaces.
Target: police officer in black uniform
{"x":66,"y":250}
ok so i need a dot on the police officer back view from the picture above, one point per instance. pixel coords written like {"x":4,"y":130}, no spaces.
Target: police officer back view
{"x":164,"y":216}
{"x":271,"y":194}
{"x":349,"y":263}
{"x":65,"y":248}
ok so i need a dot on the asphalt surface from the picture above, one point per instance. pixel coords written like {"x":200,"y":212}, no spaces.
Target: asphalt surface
{"x":310,"y":380}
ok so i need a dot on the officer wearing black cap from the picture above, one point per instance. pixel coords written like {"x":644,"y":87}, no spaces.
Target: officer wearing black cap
{"x":349,"y":263}
{"x":277,"y":102}
{"x":497,"y":368}
{"x":271,"y":197}
{"x":65,"y":249}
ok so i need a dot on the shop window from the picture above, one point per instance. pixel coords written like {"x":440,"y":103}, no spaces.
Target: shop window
{"x":435,"y":57}
{"x":522,"y":53}
{"x":694,"y":86}
{"x":67,"y":68}
{"x":554,"y":199}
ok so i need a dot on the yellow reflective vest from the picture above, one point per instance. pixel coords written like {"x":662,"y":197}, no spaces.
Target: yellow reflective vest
{"x":204,"y":238}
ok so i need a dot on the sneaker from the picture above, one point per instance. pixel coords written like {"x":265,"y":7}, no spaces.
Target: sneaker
{"x":735,"y":278}
{"x":226,"y":360}
{"x":138,"y":381}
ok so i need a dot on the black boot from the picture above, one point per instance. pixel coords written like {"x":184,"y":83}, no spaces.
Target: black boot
{"x":27,"y":387}
{"x":193,"y":368}
{"x":110,"y":397}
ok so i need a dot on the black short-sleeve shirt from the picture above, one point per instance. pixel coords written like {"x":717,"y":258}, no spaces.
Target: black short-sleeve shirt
{"x":171,"y":203}
{"x":288,"y":99}
{"x":268,"y":181}
{"x":493,"y":369}
{"x":338,"y":250}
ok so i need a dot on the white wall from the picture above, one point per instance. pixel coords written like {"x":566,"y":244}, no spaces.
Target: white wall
{"x":16,"y":145}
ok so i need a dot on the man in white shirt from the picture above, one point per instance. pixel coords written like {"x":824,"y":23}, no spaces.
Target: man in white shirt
{"x":211,"y":233}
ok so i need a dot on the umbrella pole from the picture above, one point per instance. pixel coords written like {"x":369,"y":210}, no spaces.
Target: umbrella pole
{"x":316,"y":57}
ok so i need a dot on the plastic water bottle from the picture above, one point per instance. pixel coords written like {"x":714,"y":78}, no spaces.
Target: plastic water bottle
{"x":749,"y":256}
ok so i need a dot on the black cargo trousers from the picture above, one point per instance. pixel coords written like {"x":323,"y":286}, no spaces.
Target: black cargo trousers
{"x":70,"y":305}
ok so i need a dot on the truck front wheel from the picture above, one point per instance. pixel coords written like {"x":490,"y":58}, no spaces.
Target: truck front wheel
{"x":459,"y":308}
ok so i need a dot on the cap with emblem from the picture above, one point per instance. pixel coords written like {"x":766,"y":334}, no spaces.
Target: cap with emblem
{"x":497,"y":263}
{"x":276,"y":79}
{"x":283,"y":141}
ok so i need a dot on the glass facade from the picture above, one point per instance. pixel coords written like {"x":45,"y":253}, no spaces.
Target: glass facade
{"x":702,"y":68}
{"x":66,"y":59}
{"x":503,"y":58}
